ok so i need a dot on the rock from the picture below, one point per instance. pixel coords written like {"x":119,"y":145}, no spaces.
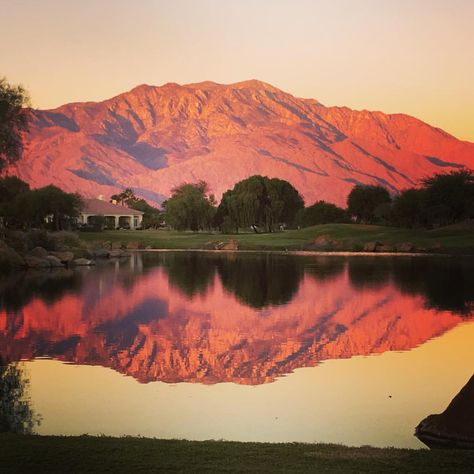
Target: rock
{"x":118,"y":253}
{"x":230,"y":245}
{"x":54,"y":261}
{"x":371,"y":246}
{"x":39,"y":252}
{"x":64,"y":257}
{"x":405,"y":247}
{"x":100,"y":253}
{"x":9,"y":258}
{"x":385,"y":248}
{"x":148,"y":247}
{"x":116,"y":245}
{"x":107,"y":245}
{"x":322,"y":240}
{"x":454,"y":428}
{"x":133,"y":246}
{"x":37,"y":262}
{"x":82,"y":262}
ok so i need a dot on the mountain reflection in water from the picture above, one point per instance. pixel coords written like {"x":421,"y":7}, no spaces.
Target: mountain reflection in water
{"x":247,"y":319}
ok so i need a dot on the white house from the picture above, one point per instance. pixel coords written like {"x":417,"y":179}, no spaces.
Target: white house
{"x":115,"y":216}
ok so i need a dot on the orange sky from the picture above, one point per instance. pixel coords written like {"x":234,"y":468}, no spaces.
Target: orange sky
{"x":411,"y":56}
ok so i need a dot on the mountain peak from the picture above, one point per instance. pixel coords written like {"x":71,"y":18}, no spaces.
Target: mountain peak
{"x":153,"y":138}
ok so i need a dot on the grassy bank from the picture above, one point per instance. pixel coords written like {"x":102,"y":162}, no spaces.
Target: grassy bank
{"x":91,"y":454}
{"x":350,"y":237}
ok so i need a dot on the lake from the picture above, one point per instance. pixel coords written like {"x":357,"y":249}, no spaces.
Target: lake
{"x":251,"y":347}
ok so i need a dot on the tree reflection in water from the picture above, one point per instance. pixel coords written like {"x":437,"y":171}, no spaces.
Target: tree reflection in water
{"x":16,"y":413}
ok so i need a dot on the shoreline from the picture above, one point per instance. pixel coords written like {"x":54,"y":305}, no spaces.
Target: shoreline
{"x":309,"y":253}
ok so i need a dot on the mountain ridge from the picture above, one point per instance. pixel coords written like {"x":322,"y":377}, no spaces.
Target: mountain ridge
{"x":153,"y":138}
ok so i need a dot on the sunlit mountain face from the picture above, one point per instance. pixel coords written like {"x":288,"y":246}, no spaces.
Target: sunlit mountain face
{"x":155,"y":138}
{"x":247,"y":319}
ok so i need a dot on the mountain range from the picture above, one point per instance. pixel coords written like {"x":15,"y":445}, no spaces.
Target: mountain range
{"x":154,"y":138}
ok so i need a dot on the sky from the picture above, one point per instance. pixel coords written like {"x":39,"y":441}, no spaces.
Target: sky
{"x":410,"y":56}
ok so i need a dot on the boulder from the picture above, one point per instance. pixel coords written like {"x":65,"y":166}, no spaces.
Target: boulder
{"x":454,"y":428}
{"x":39,"y":252}
{"x":133,"y":246}
{"x":404,"y":247}
{"x":116,"y":245}
{"x":82,"y":262}
{"x":9,"y":258}
{"x":118,"y":253}
{"x":100,"y":253}
{"x":371,"y":246}
{"x":64,"y":257}
{"x":36,"y":262}
{"x":148,"y":247}
{"x":54,"y":261}
{"x":385,"y":248}
{"x":230,"y":245}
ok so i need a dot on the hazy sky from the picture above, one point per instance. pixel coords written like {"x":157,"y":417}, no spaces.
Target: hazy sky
{"x":411,"y":56}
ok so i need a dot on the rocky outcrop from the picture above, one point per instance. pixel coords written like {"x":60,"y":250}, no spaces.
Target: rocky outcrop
{"x":454,"y":428}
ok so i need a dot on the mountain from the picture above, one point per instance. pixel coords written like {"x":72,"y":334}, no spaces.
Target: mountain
{"x":154,"y":138}
{"x":149,"y":327}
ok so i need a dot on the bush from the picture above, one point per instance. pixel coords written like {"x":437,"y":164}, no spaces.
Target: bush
{"x":65,"y":240}
{"x":39,"y":238}
{"x":321,"y":213}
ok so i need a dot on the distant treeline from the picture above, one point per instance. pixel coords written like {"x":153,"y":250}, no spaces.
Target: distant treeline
{"x":261,"y":203}
{"x":257,"y":203}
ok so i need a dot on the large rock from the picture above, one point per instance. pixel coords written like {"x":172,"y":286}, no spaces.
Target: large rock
{"x":371,"y":246}
{"x":9,"y":258}
{"x":385,"y":248}
{"x":454,"y":428}
{"x":39,"y":252}
{"x":116,"y":245}
{"x":64,"y":257}
{"x":54,"y":261}
{"x":82,"y":262}
{"x":405,"y":247}
{"x":37,"y":262}
{"x":133,"y":246}
{"x":118,"y":253}
{"x":100,"y":253}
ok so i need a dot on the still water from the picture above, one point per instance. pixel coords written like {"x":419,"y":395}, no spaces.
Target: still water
{"x":260,"y":347}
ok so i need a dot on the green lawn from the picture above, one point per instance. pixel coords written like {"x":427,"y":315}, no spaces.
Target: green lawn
{"x":453,"y":239}
{"x":25,"y":454}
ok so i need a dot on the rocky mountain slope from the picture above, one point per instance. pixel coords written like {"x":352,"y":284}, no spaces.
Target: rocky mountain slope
{"x":154,"y":138}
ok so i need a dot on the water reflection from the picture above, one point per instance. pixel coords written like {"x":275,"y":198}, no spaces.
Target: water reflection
{"x":247,"y":319}
{"x":16,"y":413}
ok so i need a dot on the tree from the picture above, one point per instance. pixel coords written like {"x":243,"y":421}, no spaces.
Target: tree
{"x":190,"y":207}
{"x":125,"y":196}
{"x":14,"y":119}
{"x":322,"y":213}
{"x":10,"y":186}
{"x":16,"y":413}
{"x":259,"y":201}
{"x":152,"y":216}
{"x":33,"y":207}
{"x":408,"y":208}
{"x":450,"y":196}
{"x":364,"y":199}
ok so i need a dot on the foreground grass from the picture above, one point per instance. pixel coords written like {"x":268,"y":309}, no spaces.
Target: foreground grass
{"x":453,"y":239}
{"x":54,"y":454}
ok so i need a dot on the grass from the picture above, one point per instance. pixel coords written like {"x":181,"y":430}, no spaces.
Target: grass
{"x":55,"y":454}
{"x":453,"y":239}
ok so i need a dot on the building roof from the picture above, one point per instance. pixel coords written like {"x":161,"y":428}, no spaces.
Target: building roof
{"x":99,"y":207}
